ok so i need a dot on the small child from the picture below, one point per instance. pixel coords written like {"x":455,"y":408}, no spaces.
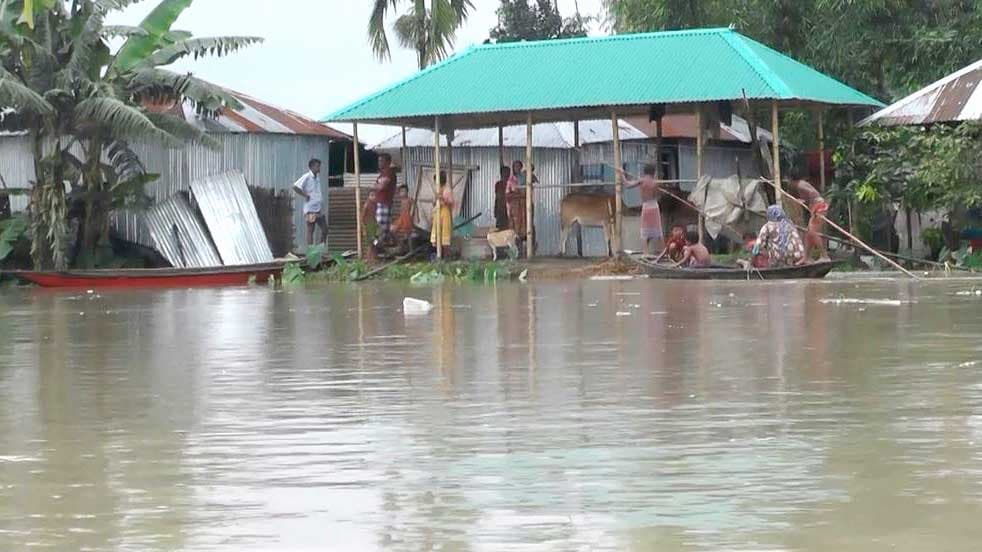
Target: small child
{"x":404,"y":224}
{"x":368,"y":224}
{"x":675,"y":248}
{"x":756,"y":261}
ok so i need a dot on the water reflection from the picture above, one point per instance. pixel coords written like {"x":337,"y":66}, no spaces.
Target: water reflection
{"x":594,"y":416}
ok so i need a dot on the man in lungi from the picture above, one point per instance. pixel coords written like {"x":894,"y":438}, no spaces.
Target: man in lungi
{"x":651,"y":228}
{"x":385,"y":191}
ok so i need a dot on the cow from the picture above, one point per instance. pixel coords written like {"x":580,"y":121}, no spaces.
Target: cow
{"x":587,"y":210}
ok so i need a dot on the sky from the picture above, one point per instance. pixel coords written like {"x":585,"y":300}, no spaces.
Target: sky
{"x":315,"y":58}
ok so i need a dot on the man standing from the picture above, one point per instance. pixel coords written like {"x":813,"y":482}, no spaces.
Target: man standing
{"x":385,"y":188}
{"x":309,"y":188}
{"x":818,"y":207}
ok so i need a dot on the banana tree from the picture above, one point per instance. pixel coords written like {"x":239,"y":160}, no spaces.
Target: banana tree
{"x":66,"y":87}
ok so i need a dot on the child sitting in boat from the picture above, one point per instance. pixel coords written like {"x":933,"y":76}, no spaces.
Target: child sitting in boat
{"x":677,"y":242}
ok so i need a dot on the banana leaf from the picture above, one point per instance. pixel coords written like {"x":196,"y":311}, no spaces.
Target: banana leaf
{"x":157,"y":26}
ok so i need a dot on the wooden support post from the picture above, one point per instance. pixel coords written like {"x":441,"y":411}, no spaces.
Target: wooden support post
{"x":618,"y":186}
{"x":437,"y":204}
{"x":501,"y":147}
{"x":700,"y":144}
{"x":358,"y":205}
{"x":578,"y":177}
{"x":658,"y":144}
{"x":821,"y":150}
{"x":404,"y":161}
{"x":776,"y":150}
{"x":450,"y":181}
{"x":529,"y":223}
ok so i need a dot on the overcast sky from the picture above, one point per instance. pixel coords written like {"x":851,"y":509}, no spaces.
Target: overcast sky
{"x":316,"y":57}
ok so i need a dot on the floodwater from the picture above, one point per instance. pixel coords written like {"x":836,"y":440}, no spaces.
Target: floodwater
{"x":639,"y":415}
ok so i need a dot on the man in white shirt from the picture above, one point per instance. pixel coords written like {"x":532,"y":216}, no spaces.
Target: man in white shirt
{"x":309,"y":188}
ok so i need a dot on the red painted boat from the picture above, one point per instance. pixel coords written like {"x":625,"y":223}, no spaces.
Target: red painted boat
{"x":153,"y":277}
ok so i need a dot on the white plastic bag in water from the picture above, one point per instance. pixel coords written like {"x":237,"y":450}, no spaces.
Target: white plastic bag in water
{"x":415,"y":307}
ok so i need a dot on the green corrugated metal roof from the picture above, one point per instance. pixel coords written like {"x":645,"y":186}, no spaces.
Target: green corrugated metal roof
{"x":701,"y":65}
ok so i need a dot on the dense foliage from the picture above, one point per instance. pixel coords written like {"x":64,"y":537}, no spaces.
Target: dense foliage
{"x":536,"y":20}
{"x":64,"y":86}
{"x":886,"y":48}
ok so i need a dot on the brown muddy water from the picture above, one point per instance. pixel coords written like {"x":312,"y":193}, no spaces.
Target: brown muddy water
{"x":641,"y":415}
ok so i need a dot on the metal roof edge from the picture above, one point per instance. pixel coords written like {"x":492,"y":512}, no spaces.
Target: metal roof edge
{"x":735,"y":40}
{"x":338,"y":115}
{"x":871,"y":101}
{"x":902,"y":102}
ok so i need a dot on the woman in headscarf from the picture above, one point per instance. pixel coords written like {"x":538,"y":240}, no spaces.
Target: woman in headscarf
{"x":780,"y":240}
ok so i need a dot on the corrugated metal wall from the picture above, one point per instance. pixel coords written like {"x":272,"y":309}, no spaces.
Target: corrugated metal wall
{"x":273,"y":161}
{"x":718,"y":161}
{"x":552,"y":167}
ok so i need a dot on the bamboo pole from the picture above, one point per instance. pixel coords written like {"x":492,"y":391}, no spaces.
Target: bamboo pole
{"x":618,"y":187}
{"x":776,"y":149}
{"x":402,"y":154}
{"x":576,"y":145}
{"x":579,"y":176}
{"x":450,"y":181}
{"x":658,"y":144}
{"x":787,"y":196}
{"x":437,"y":205}
{"x":700,"y":145}
{"x":358,"y":205}
{"x":529,"y":230}
{"x":821,"y":150}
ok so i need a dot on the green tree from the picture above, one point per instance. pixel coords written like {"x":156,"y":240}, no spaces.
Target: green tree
{"x":884,"y":47}
{"x":62,"y":84}
{"x":521,"y":20}
{"x":430,"y":32}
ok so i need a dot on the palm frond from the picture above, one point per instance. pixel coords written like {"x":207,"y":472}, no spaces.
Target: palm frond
{"x":120,"y":119}
{"x":377,"y":37}
{"x":19,"y":96}
{"x":182,"y":130}
{"x":198,"y":47}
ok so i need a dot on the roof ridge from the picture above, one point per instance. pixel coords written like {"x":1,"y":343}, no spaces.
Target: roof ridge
{"x":602,"y":38}
{"x":399,"y":84}
{"x":735,"y":40}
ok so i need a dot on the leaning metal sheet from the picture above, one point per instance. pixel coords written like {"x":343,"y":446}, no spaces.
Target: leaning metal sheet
{"x":230,"y":214}
{"x":179,"y":236}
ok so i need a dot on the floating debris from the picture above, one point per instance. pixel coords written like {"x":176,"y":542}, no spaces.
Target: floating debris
{"x":882,"y":302}
{"x":415,"y":307}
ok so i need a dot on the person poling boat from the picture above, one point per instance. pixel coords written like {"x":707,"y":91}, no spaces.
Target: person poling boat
{"x":818,"y":207}
{"x":651,"y":225}
{"x":779,"y":239}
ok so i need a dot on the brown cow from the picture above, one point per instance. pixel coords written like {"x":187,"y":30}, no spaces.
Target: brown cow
{"x":587,"y":210}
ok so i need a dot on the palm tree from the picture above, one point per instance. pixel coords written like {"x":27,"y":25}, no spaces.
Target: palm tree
{"x":62,"y":84}
{"x":430,"y":32}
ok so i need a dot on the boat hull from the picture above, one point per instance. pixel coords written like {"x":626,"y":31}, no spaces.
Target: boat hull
{"x":814,"y":271}
{"x":153,"y":278}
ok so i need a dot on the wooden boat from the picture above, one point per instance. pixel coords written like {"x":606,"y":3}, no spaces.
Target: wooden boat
{"x":812,"y":271}
{"x":153,"y":277}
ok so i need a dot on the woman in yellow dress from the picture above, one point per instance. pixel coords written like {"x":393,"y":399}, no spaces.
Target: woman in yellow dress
{"x":443,"y":221}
